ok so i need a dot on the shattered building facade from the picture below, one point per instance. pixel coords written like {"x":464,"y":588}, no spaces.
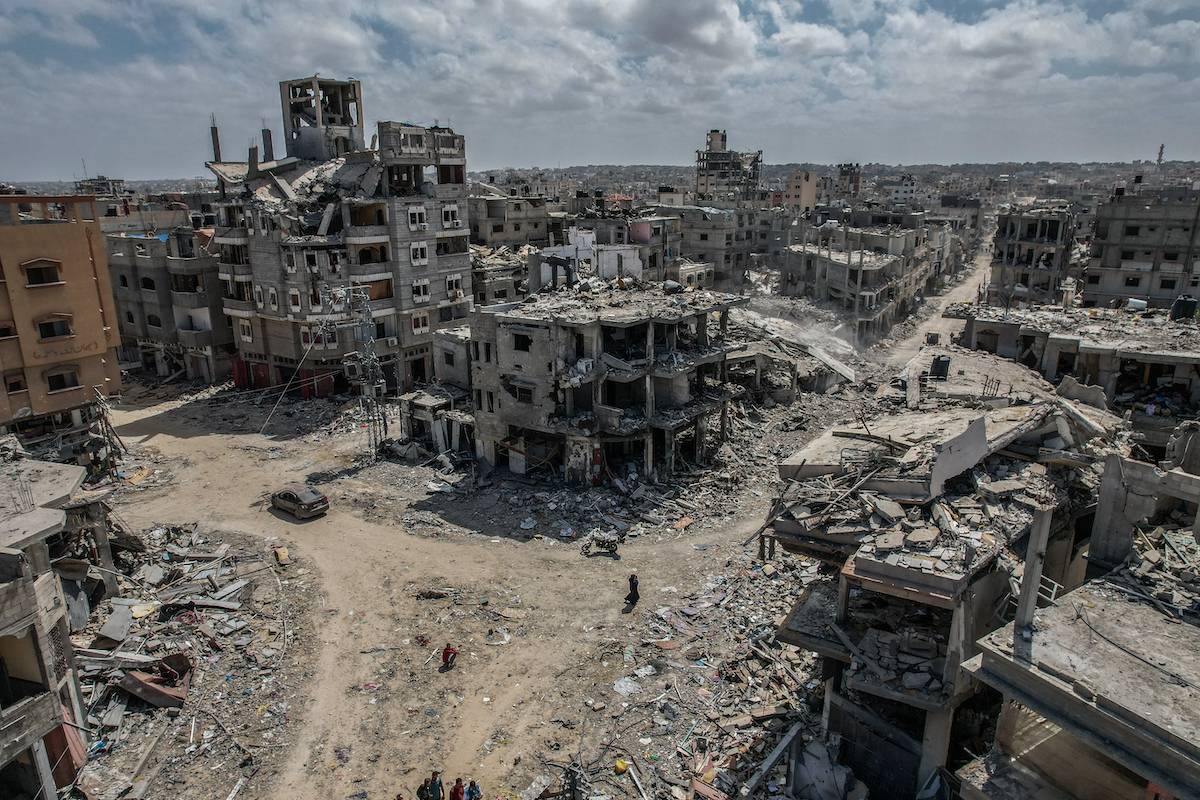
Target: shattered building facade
{"x":724,"y":174}
{"x":58,"y":326}
{"x":41,"y":709}
{"x":1032,"y":253}
{"x":924,"y":518}
{"x":729,"y":238}
{"x":1146,"y":245}
{"x":1143,"y":365}
{"x":168,"y":293}
{"x":594,"y":381}
{"x":499,"y":220}
{"x":1100,"y":688}
{"x":311,"y":244}
{"x":876,"y":274}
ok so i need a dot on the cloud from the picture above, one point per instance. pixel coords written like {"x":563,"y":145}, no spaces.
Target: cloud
{"x":129,"y":86}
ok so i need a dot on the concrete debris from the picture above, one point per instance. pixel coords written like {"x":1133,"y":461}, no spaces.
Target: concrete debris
{"x":200,"y":667}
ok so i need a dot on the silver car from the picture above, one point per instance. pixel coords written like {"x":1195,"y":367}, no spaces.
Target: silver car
{"x":302,"y":502}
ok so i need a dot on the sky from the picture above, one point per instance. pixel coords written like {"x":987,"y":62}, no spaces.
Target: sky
{"x":128,"y":87}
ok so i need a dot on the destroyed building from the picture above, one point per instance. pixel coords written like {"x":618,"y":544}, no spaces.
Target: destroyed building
{"x":1146,"y":245}
{"x":500,"y":220}
{"x":1140,"y":364}
{"x":724,"y":174}
{"x":334,"y":244}
{"x":876,"y":274}
{"x":1033,"y":252}
{"x":499,"y":275}
{"x":923,"y":519}
{"x":594,"y":381}
{"x":58,"y":327}
{"x":1101,"y":689}
{"x":168,"y":294}
{"x":41,"y":708}
{"x":849,"y":181}
{"x":731,"y":237}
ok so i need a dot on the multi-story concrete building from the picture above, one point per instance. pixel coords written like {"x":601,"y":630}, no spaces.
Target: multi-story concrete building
{"x":600,"y":384}
{"x":498,"y":220}
{"x":849,"y":181}
{"x":1146,"y":246}
{"x":724,"y":174}
{"x":1032,"y":252}
{"x":311,"y":245}
{"x":169,"y":306}
{"x":41,"y":712}
{"x":58,"y":329}
{"x":900,"y":190}
{"x":731,"y":237}
{"x":875,"y":274}
{"x":800,"y":193}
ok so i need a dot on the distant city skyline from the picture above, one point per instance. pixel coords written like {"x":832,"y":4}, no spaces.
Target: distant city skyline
{"x":129,"y":89}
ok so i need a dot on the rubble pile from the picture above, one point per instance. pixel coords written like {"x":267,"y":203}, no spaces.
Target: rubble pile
{"x":706,"y":696}
{"x":195,"y":666}
{"x":1163,"y":568}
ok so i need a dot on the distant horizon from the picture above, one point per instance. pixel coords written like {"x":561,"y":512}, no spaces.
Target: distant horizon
{"x":1195,"y":163}
{"x":128,"y":88}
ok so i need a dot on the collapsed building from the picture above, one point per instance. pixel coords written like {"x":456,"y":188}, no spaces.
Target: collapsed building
{"x":1146,"y":245}
{"x":594,"y":381}
{"x":1033,"y":252}
{"x":41,"y":708}
{"x":1140,"y":364}
{"x":724,"y":174}
{"x":168,"y":294}
{"x":876,"y":275}
{"x":334,"y":244}
{"x":499,"y":274}
{"x":58,"y":332}
{"x":923,"y":521}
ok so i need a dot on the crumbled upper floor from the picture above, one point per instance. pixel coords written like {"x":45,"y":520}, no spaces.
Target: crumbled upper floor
{"x":867,"y":259}
{"x":1132,"y":331}
{"x":621,"y":301}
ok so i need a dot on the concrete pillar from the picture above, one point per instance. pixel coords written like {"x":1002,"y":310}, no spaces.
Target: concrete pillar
{"x":668,"y":452}
{"x":935,"y":742}
{"x":1035,"y":557}
{"x":1112,"y":534}
{"x":702,"y":330}
{"x":701,"y":432}
{"x":648,"y":453}
{"x":649,"y":396}
{"x":41,"y":762}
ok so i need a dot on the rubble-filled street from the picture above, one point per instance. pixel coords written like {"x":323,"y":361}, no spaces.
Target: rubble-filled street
{"x":412,"y":556}
{"x":821,"y":461}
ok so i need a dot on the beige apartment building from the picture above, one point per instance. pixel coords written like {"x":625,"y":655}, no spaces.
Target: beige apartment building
{"x":58,"y":330}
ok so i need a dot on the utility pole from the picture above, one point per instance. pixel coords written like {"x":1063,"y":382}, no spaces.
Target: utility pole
{"x":372,"y":380}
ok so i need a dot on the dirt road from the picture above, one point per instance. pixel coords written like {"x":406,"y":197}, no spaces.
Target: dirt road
{"x":380,"y":713}
{"x":964,"y":291}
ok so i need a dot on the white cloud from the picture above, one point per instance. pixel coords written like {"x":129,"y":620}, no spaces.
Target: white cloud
{"x":591,"y":81}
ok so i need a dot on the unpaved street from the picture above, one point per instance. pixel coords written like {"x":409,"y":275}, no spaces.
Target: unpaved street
{"x":405,"y":569}
{"x":376,"y":720}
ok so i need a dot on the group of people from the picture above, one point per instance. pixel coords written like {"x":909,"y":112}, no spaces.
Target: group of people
{"x":432,"y":789}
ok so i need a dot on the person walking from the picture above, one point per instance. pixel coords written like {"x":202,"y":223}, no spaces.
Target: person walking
{"x":474,"y":792}
{"x":456,"y":792}
{"x":633,"y":596}
{"x":436,"y":792}
{"x":423,"y":790}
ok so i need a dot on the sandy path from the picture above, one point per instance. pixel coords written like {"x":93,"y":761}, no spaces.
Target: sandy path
{"x":420,"y":718}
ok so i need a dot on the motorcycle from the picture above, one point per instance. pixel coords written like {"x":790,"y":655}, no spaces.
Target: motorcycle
{"x":601,"y":542}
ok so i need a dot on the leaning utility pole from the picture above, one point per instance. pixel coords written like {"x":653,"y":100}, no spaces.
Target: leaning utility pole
{"x":370,"y":368}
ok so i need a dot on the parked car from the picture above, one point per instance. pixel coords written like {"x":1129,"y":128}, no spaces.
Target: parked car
{"x":302,"y":502}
